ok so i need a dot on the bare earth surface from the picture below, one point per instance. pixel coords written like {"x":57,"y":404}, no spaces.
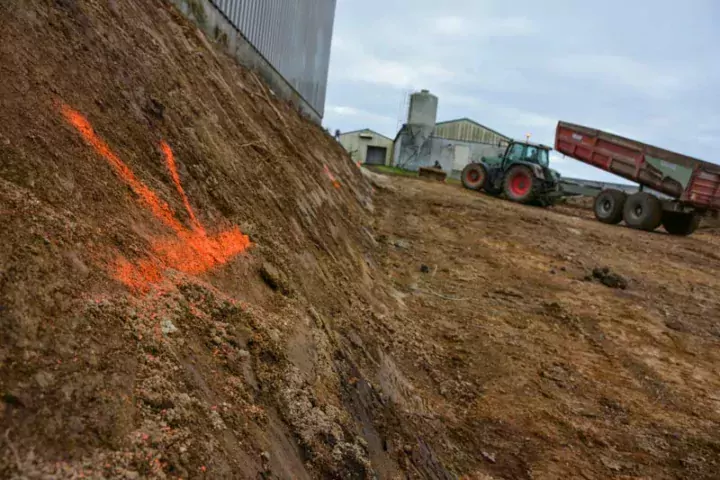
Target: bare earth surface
{"x":531,"y":371}
{"x":196,"y":282}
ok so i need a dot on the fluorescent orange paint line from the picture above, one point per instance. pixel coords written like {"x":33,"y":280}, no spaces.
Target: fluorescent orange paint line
{"x":197,"y":253}
{"x":160,"y":209}
{"x":191,"y":251}
{"x":332,"y":178}
{"x":170,"y":162}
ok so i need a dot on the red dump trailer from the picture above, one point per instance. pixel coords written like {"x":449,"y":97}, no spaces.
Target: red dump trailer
{"x":690,"y":187}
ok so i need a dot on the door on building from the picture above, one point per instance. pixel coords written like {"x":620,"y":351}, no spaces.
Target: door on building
{"x":461,"y":157}
{"x":376,"y":155}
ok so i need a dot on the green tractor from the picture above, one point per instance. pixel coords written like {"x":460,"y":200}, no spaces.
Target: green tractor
{"x":522,"y":174}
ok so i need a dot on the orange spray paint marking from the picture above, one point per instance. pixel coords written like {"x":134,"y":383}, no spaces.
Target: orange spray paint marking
{"x":191,"y":251}
{"x":170,"y":162}
{"x":160,"y":209}
{"x":332,"y":178}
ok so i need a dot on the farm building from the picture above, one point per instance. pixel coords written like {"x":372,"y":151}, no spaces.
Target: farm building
{"x":453,"y":144}
{"x":367,"y":146}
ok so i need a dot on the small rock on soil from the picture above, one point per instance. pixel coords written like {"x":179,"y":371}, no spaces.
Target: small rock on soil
{"x":608,"y":278}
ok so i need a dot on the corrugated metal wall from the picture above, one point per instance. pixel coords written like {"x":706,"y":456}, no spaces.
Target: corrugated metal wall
{"x":293,"y":35}
{"x":467,"y":131}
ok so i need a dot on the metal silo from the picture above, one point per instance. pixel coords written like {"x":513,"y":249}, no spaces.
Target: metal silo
{"x":422,"y":115}
{"x":293,"y":35}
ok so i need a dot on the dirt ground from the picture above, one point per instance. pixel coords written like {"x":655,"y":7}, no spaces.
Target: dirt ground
{"x":526,"y":368}
{"x":196,"y":282}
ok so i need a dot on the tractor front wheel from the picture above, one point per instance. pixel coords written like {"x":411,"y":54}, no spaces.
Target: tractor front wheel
{"x":520,"y":185}
{"x":474,"y":176}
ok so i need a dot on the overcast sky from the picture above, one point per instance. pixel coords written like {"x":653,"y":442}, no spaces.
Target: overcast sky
{"x":645,"y":69}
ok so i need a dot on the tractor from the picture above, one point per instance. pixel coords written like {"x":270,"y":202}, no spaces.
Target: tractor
{"x":522,"y":174}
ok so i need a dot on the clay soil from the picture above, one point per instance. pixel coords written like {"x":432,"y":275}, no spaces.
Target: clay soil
{"x":375,"y":327}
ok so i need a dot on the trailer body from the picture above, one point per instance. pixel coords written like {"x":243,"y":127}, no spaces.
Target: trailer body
{"x":693,"y":184}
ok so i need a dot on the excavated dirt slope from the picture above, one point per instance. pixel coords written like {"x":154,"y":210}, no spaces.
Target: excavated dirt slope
{"x":195,"y":282}
{"x":180,"y":253}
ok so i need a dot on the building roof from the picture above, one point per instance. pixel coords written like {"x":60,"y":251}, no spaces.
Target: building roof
{"x":465,"y":119}
{"x":365,"y":130}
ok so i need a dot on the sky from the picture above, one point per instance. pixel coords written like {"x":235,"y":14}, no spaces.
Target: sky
{"x":644,"y":69}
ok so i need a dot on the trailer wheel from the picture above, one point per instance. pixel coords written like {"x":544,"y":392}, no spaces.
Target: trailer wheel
{"x":609,"y":206}
{"x":474,"y":176}
{"x":520,"y":185}
{"x":680,"y":223}
{"x":643,"y":211}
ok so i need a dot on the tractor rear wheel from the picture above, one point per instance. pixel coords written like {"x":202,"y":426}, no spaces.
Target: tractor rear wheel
{"x":520,"y":185}
{"x":474,"y":176}
{"x":609,"y":206}
{"x":680,"y":223}
{"x":643,"y":211}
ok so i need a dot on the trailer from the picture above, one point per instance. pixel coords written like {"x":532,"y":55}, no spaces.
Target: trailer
{"x":690,"y":187}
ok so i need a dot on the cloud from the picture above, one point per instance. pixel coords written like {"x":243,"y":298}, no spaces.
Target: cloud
{"x":708,"y":139}
{"x":425,"y":53}
{"x":486,"y":27}
{"x":346,"y":111}
{"x":348,"y":118}
{"x":508,"y":27}
{"x":623,"y":72}
{"x":398,"y":74}
{"x":451,"y":26}
{"x":527,"y":119}
{"x":710,"y":124}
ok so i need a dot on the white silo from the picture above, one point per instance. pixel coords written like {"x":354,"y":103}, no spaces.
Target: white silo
{"x":422,"y":115}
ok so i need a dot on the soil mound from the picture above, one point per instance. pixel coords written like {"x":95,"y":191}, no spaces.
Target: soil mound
{"x":180,"y":254}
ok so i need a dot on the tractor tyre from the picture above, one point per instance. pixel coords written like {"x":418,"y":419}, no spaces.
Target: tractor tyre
{"x":520,"y":185}
{"x":474,"y":176}
{"x":643,"y":211}
{"x":609,"y":206}
{"x":680,"y":223}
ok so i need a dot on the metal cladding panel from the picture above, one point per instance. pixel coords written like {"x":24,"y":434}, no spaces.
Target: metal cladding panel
{"x":468,"y":132}
{"x":293,"y":35}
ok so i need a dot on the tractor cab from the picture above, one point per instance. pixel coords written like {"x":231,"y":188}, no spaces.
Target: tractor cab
{"x":528,"y":153}
{"x":522,"y":152}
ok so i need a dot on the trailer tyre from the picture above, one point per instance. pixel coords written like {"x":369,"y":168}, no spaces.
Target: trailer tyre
{"x":643,"y":211}
{"x":680,"y":223}
{"x":609,"y":206}
{"x":520,"y":185}
{"x":474,"y":176}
